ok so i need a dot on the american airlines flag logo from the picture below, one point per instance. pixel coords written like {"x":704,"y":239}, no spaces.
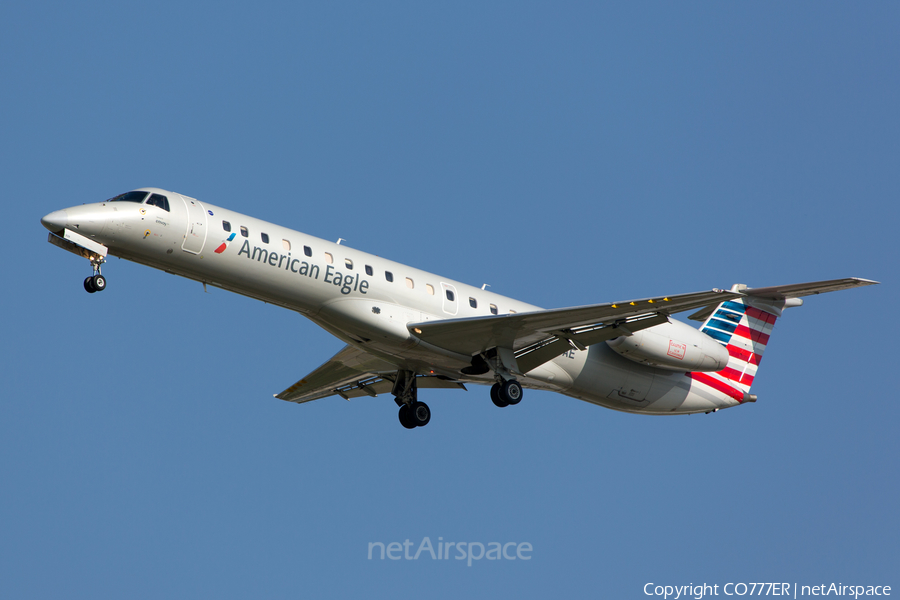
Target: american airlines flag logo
{"x":224,"y":245}
{"x":744,"y":331}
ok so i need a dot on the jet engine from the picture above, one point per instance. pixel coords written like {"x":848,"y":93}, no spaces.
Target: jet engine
{"x":674,"y":346}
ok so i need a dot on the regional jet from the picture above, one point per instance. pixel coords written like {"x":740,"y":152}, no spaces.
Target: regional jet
{"x":408,"y":329}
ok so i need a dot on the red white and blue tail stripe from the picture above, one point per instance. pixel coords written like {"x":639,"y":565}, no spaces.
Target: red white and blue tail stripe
{"x":743,"y":326}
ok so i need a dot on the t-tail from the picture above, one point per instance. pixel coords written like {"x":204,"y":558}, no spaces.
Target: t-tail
{"x":744,"y":326}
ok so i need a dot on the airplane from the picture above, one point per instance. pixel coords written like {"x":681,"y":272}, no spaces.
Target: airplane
{"x":406,"y":329}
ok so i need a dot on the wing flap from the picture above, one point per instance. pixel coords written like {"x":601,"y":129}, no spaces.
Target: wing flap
{"x":375,"y":386}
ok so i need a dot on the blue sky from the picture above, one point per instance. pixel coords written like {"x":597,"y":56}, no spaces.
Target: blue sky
{"x":563,"y":154}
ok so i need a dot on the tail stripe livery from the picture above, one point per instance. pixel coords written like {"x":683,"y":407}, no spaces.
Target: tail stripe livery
{"x":744,"y":330}
{"x":717,"y":385}
{"x":744,"y":355}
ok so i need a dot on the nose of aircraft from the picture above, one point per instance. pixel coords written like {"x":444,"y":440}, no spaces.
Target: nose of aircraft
{"x":56,"y":221}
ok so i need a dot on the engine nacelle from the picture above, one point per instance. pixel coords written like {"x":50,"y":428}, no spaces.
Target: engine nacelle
{"x":674,"y":346}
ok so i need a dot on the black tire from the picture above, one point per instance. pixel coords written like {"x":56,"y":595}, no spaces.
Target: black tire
{"x":495,"y":397}
{"x":89,"y":285}
{"x":511,"y":391}
{"x":420,"y":414}
{"x":99,"y":282}
{"x":406,"y":417}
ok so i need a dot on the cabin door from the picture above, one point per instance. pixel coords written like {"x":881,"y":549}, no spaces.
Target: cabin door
{"x":450,"y":301}
{"x":195,"y":235}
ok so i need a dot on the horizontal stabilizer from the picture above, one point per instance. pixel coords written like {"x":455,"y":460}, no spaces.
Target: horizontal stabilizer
{"x":794,"y":290}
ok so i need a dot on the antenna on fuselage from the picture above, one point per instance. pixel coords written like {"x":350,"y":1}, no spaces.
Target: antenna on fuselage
{"x":486,"y":285}
{"x":339,"y":241}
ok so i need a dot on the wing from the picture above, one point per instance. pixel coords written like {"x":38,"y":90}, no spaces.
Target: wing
{"x":547,"y":333}
{"x":352,"y":373}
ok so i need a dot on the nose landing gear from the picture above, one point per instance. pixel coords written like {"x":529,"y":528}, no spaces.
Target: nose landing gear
{"x":96,"y":282}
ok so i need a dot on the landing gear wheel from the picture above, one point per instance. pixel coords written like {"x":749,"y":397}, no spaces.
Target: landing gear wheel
{"x":495,"y":396}
{"x":420,"y":414}
{"x":511,"y":391}
{"x":406,"y":417}
{"x":89,"y":285}
{"x":98,"y":282}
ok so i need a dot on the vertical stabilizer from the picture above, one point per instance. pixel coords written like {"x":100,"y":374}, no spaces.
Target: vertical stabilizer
{"x":743,"y":326}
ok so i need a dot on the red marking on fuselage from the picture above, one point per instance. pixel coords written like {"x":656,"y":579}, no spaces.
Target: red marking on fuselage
{"x":677,"y":350}
{"x":221,"y":248}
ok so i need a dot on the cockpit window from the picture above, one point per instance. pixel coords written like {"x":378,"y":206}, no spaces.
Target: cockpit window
{"x":160,"y":201}
{"x":130,"y":197}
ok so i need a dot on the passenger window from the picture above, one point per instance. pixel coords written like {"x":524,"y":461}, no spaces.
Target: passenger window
{"x":329,"y":258}
{"x":493,"y":309}
{"x":348,"y":263}
{"x":429,"y":288}
{"x":226,"y":225}
{"x":409,"y":283}
{"x":369,"y":270}
{"x":286,"y":245}
{"x":473,"y":302}
{"x":160,"y":201}
{"x":450,"y":296}
{"x":244,"y":231}
{"x":388,"y":275}
{"x":264,"y":237}
{"x":307,"y":250}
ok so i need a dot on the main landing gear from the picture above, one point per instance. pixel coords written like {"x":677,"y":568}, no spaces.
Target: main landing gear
{"x":414,"y":415}
{"x":507,"y":393}
{"x":96,"y":282}
{"x":412,"y":412}
{"x":502,"y":361}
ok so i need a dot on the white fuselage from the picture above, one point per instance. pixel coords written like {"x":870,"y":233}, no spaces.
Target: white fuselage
{"x":365,"y":300}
